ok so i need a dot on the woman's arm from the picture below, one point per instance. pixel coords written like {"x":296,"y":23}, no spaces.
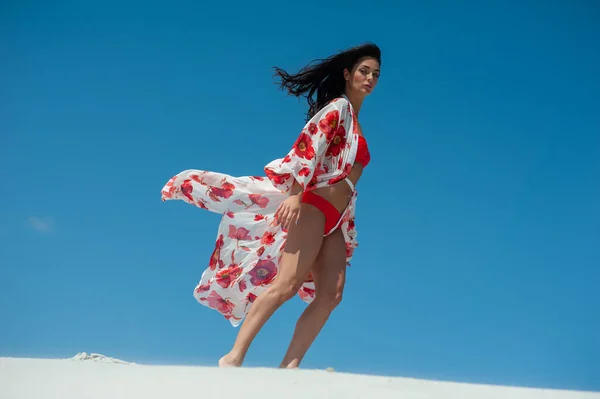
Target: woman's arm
{"x":296,"y":188}
{"x":308,"y":152}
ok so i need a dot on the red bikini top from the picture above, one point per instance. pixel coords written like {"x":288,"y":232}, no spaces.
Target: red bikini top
{"x":362,"y":152}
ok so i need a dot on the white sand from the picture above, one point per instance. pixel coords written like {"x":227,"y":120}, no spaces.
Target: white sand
{"x":97,"y":376}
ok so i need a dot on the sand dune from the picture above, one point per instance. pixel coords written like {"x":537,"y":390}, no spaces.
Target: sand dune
{"x":96,"y":376}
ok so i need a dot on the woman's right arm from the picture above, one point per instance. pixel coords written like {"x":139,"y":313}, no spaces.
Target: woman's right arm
{"x":289,"y":210}
{"x":308,"y":152}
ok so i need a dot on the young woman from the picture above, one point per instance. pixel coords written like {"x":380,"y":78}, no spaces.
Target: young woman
{"x":293,"y":230}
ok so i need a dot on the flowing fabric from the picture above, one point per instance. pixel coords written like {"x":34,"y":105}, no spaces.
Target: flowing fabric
{"x":249,"y":243}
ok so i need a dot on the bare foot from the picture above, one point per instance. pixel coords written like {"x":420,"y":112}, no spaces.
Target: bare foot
{"x":229,"y":361}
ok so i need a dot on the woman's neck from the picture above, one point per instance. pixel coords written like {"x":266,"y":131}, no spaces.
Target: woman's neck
{"x":356,"y":101}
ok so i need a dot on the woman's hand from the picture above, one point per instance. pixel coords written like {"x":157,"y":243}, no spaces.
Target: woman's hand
{"x":288,"y":211}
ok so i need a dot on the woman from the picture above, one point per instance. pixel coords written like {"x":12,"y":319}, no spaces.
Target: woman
{"x":293,"y":230}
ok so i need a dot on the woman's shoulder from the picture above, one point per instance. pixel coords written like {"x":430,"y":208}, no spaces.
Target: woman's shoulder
{"x":336,"y":108}
{"x":340,"y":100}
{"x":340,"y":103}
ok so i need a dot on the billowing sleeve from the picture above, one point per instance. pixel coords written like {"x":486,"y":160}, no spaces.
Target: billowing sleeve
{"x":327,"y":128}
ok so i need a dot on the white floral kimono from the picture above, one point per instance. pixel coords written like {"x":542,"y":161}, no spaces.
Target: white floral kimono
{"x":249,"y":244}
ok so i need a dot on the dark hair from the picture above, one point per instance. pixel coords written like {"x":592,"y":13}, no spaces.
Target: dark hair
{"x":325,"y":76}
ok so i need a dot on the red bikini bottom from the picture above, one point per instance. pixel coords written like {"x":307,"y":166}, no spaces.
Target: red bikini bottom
{"x":332,"y":215}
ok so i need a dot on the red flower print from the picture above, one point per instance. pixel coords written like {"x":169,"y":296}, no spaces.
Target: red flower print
{"x":187,"y":188}
{"x":351,"y":224}
{"x":238,"y":233}
{"x":216,"y":255}
{"x":267,"y":239}
{"x":303,"y":147}
{"x":202,"y":288}
{"x":329,"y":123}
{"x":337,"y":142}
{"x":225,"y":277}
{"x":259,"y":178}
{"x":230,"y":214}
{"x":320,"y":169}
{"x":225,"y":191}
{"x":318,"y":172}
{"x":196,"y":178}
{"x":286,"y":159}
{"x":306,"y":293}
{"x":263,"y":272}
{"x":242,"y":285}
{"x":260,"y":251}
{"x":168,"y":190}
{"x":349,"y":250}
{"x":259,"y":200}
{"x":202,"y":204}
{"x":312,"y":128}
{"x":304,"y":171}
{"x":219,"y":303}
{"x":275,"y":178}
{"x":258,"y":217}
{"x":250,"y":298}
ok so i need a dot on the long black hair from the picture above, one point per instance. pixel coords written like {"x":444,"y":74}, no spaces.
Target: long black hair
{"x":325,"y":77}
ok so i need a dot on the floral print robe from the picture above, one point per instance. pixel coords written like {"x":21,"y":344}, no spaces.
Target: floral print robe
{"x":248,"y":247}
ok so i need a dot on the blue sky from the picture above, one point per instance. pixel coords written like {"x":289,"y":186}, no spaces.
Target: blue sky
{"x":478,"y":217}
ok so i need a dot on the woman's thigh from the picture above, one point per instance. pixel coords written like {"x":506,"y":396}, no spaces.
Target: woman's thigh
{"x":303,"y":244}
{"x":329,"y":270}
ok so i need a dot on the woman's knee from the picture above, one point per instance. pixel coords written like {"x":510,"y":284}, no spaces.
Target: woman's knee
{"x":283,"y":291}
{"x":329,"y":299}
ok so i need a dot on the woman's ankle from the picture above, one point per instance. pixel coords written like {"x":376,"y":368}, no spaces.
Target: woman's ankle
{"x":293,"y":364}
{"x":232,"y":359}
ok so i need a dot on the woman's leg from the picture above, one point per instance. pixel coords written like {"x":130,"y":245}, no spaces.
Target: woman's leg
{"x":302,"y":246}
{"x":329,"y":274}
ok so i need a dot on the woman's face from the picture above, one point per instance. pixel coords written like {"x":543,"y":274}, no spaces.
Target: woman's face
{"x":364,"y":76}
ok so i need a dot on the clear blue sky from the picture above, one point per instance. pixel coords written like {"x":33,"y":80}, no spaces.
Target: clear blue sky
{"x":478,"y":217}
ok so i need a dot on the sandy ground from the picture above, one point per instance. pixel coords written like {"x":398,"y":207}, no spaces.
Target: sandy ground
{"x":97,"y":376}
